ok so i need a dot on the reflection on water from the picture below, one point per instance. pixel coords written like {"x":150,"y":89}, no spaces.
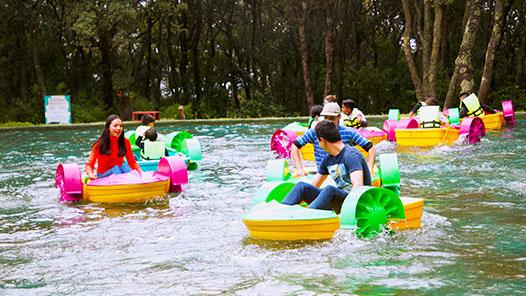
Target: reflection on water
{"x":472,"y":240}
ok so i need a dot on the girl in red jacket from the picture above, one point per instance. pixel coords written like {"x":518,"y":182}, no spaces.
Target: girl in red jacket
{"x":109,"y":151}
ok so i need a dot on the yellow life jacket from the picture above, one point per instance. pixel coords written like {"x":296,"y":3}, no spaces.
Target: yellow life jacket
{"x":351,"y":120}
{"x":152,"y":150}
{"x":472,"y":103}
{"x":429,"y":116}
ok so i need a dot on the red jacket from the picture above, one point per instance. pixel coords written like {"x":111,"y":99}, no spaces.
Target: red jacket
{"x":106,"y":162}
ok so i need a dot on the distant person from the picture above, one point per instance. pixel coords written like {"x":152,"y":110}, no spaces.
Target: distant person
{"x":417,"y":106}
{"x":429,"y":114}
{"x":330,"y":99}
{"x":109,"y":150}
{"x":330,"y":112}
{"x":470,"y":106}
{"x":180,"y":110}
{"x":315,"y":116}
{"x":351,"y":115}
{"x":343,"y":163}
{"x":151,"y":149}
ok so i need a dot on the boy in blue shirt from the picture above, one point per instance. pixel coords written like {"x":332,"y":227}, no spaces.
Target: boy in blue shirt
{"x":331,"y":112}
{"x":343,"y":163}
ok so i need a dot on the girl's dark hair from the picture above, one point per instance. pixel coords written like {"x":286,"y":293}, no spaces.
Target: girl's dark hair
{"x":464,"y":94}
{"x":431,"y":101}
{"x":315,"y":110}
{"x":151,"y":134}
{"x":349,"y":103}
{"x":147,"y":119}
{"x":104,"y":139}
{"x":328,"y":130}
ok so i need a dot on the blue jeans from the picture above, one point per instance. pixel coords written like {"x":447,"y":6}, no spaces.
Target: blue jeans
{"x":328,"y":198}
{"x":124,"y":168}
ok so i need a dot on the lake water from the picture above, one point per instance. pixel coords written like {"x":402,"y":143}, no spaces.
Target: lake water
{"x":472,"y":241}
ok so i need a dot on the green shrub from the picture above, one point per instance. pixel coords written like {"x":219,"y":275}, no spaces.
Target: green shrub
{"x":83,"y":109}
{"x":172,"y":111}
{"x":15,"y":124}
{"x":514,"y":93}
{"x":260,"y":106}
{"x":140,"y":103}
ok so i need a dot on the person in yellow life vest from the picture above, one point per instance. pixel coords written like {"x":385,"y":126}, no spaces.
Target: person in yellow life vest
{"x":416,"y":107}
{"x":470,"y":106}
{"x":151,"y":149}
{"x":352,"y":116}
{"x":429,"y":115}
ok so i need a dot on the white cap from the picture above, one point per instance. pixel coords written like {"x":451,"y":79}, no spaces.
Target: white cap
{"x":331,"y":109}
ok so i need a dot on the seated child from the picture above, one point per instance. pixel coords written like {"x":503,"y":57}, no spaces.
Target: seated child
{"x":470,"y":106}
{"x":147,"y":122}
{"x":151,"y":149}
{"x":429,"y":114}
{"x":416,"y":107}
{"x":315,"y":115}
{"x":352,"y":116}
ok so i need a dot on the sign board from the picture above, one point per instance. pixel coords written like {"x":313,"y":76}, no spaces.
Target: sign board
{"x":57,"y":109}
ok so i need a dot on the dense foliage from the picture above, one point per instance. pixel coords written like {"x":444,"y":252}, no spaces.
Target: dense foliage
{"x":227,"y":58}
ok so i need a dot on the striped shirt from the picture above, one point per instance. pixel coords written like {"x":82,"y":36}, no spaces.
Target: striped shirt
{"x":349,"y":136}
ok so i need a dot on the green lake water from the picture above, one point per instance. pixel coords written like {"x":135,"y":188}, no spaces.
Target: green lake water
{"x":472,"y":239}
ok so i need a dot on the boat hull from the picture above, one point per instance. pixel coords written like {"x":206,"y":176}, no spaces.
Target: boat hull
{"x":131,"y":193}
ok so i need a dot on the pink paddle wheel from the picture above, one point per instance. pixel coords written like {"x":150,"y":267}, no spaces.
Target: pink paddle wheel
{"x":69,"y":181}
{"x":391,"y":125}
{"x":281,"y":142}
{"x":508,"y":112}
{"x":473,"y":128}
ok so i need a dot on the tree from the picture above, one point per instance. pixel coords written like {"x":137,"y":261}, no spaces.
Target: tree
{"x":463,"y":72}
{"x":496,"y":33}
{"x":427,"y":45}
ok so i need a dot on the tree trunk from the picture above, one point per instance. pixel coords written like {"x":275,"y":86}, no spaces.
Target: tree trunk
{"x":125,"y":107}
{"x":435,"y":49}
{"x":521,"y":54}
{"x":183,"y":63}
{"x":329,"y":46}
{"x":21,"y":65}
{"x":196,"y":36}
{"x":38,"y":68}
{"x":493,"y":43}
{"x":444,"y":43}
{"x":107,"y":69}
{"x":426,"y":44}
{"x":159,"y":68}
{"x":147,"y":92}
{"x":463,"y":65}
{"x":172,"y":81}
{"x":304,"y":52}
{"x":413,"y":71}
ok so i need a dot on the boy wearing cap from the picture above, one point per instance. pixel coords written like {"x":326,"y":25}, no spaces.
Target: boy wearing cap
{"x":343,"y":163}
{"x":331,"y":112}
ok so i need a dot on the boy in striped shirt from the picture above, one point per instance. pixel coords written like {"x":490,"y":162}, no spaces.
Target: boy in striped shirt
{"x":331,"y":112}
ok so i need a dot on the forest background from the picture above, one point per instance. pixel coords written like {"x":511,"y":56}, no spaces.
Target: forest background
{"x":256,"y":58}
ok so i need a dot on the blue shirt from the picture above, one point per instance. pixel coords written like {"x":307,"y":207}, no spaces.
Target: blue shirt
{"x":341,"y":165}
{"x":348,"y":134}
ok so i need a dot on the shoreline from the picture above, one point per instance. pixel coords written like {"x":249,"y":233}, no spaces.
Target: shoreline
{"x":163,"y":122}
